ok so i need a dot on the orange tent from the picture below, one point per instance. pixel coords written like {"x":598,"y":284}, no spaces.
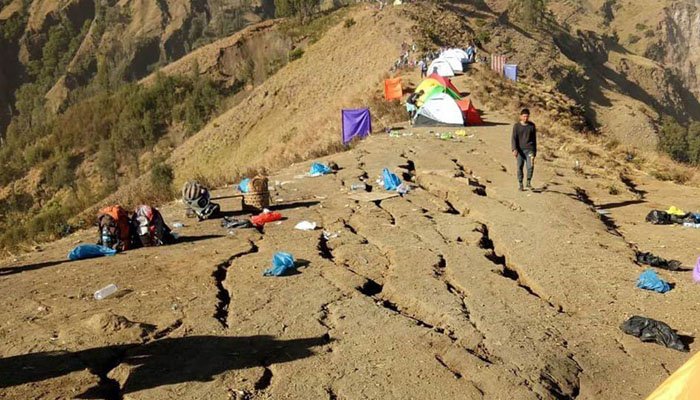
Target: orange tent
{"x":684,"y":384}
{"x":446,"y":82}
{"x":392,"y":89}
{"x":471,"y":115}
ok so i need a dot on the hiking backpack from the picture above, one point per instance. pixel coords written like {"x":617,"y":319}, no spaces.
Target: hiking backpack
{"x":114,"y":228}
{"x":150,"y":228}
{"x":197,"y":198}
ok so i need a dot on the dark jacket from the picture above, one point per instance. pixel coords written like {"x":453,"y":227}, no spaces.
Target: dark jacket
{"x":524,"y":138}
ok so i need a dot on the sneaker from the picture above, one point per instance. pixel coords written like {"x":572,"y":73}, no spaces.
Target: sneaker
{"x":528,"y":186}
{"x":520,"y":188}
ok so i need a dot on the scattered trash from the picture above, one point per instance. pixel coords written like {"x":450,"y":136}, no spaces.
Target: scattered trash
{"x":602,"y":212}
{"x":694,"y":225}
{"x":461,"y":132}
{"x":282,"y":264}
{"x":358,"y":186}
{"x":391,"y":181}
{"x":651,"y":330}
{"x":305,"y":226}
{"x":243,"y":187}
{"x":318,"y":169}
{"x":403,"y":188}
{"x":330,"y":235}
{"x":105,"y":292}
{"x":178,"y":225}
{"x":266,"y":217}
{"x":650,"y":281}
{"x":673,"y":210}
{"x":446,"y":136}
{"x":232,"y":223}
{"x":656,"y":261}
{"x":175,"y":235}
{"x":84,"y":251}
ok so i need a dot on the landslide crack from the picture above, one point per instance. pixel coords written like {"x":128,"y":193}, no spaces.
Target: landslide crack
{"x":224,"y":297}
{"x":506,"y":269}
{"x":610,"y":225}
{"x":440,"y":361}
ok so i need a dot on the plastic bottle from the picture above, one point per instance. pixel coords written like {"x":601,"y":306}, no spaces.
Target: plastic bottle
{"x":358,"y":186}
{"x":105,"y":292}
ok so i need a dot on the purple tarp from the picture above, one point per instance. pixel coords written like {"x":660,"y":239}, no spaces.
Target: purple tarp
{"x":356,"y":122}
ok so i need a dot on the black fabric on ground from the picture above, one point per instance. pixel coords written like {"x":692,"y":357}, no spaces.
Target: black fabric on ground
{"x":232,"y":223}
{"x":656,"y":261}
{"x":658,"y":217}
{"x":651,"y":330}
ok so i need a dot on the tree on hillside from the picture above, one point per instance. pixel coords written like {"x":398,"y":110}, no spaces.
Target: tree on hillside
{"x":529,"y":12}
{"x":303,"y":9}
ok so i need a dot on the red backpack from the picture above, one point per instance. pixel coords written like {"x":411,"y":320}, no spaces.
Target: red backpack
{"x":114,"y":227}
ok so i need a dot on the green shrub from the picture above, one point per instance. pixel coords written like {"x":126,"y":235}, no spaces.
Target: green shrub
{"x":162,"y":177}
{"x":649,"y":33}
{"x":633,"y":39}
{"x":640,"y":26}
{"x":349,"y":22}
{"x":296,"y":54}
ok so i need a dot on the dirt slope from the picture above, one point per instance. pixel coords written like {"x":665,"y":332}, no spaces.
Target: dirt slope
{"x":297,"y":111}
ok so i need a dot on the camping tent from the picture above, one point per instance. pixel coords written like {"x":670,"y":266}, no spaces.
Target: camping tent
{"x":471,"y":115}
{"x":446,"y":82}
{"x":441,"y":67}
{"x":459,"y":53}
{"x":434,"y":91}
{"x":440,"y":109}
{"x":428,"y":85}
{"x":392,"y":89}
{"x":683,"y":384}
{"x":455,"y":63}
{"x":356,"y":123}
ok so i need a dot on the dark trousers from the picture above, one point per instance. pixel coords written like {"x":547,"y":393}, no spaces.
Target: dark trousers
{"x":423,"y":73}
{"x":525,"y":159}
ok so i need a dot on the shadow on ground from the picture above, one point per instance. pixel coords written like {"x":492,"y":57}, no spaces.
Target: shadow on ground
{"x":162,"y":362}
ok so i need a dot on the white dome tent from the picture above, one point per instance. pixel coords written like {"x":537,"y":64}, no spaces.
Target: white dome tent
{"x":439,"y":109}
{"x":441,"y":67}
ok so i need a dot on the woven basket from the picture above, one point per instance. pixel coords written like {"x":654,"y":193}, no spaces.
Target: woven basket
{"x":258,"y":196}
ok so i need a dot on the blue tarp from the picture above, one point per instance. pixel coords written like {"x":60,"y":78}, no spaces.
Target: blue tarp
{"x":356,"y":123}
{"x":243,"y":186}
{"x":90,"y":251}
{"x":650,"y":281}
{"x":511,"y":71}
{"x":319,"y":169}
{"x":282,"y":264}
{"x":391,"y":181}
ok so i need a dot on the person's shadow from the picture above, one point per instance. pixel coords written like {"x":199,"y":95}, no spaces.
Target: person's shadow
{"x":161,"y":362}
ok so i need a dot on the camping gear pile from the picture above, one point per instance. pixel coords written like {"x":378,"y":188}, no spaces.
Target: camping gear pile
{"x":120,"y":230}
{"x":198,"y":201}
{"x":440,"y":103}
{"x":656,"y":261}
{"x":674,"y":215}
{"x":257,"y":198}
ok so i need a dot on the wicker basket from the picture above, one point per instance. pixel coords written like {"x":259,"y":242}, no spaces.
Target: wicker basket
{"x":258,"y":196}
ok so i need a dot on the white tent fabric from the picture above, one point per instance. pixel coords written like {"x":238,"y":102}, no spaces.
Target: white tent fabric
{"x":459,"y":53}
{"x":440,"y":109}
{"x":441,"y":67}
{"x":455,"y":63}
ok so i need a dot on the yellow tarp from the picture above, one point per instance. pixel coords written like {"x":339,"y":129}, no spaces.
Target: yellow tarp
{"x":684,"y":384}
{"x":676,"y":211}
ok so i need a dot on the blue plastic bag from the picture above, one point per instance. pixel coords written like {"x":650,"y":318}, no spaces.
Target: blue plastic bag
{"x":243,"y":186}
{"x":391,"y":181}
{"x":282,"y":264}
{"x":319,"y":169}
{"x":650,"y":281}
{"x":84,"y":251}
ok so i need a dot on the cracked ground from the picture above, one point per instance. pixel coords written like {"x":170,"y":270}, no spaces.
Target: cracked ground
{"x":462,"y":289}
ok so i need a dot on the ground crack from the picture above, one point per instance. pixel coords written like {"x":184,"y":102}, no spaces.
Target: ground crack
{"x":222,"y":307}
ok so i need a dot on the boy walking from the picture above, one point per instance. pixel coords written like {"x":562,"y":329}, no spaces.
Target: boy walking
{"x":524,"y":147}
